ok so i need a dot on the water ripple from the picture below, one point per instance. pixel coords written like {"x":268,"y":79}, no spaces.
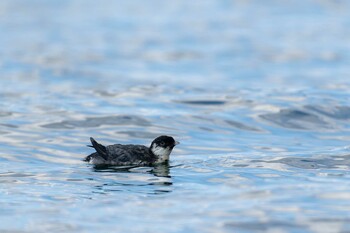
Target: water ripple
{"x":203,"y":102}
{"x":297,"y":119}
{"x":99,"y":121}
{"x":335,"y":112}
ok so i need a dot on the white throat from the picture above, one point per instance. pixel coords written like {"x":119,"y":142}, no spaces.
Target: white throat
{"x":161,"y":152}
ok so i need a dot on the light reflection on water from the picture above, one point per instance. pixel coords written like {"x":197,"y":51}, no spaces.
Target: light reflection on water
{"x":261,"y":109}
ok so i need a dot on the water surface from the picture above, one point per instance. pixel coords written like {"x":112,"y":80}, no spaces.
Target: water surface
{"x":256,"y":92}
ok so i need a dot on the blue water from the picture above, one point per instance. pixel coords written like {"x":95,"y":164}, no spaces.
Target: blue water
{"x":257,"y":92}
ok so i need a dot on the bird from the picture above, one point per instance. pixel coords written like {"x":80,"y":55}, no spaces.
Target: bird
{"x":126,"y":155}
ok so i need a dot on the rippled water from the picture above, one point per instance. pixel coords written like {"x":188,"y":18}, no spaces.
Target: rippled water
{"x":257,"y":92}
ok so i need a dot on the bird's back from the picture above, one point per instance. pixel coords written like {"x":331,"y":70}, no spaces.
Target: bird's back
{"x":120,"y":155}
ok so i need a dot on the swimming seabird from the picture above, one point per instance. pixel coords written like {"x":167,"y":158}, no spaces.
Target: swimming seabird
{"x":125,"y":155}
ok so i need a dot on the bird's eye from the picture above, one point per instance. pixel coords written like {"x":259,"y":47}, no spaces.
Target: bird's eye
{"x":162,"y":143}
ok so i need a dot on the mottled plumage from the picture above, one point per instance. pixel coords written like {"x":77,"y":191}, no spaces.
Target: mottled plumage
{"x":124,"y":155}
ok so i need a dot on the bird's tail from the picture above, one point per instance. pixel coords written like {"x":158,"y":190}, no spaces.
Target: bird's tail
{"x":100,"y":149}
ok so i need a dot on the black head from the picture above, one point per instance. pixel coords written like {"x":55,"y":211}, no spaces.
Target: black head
{"x":165,"y":142}
{"x":161,"y":147}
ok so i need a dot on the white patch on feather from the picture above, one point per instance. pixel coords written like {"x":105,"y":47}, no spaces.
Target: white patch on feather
{"x":161,"y":152}
{"x":96,"y":161}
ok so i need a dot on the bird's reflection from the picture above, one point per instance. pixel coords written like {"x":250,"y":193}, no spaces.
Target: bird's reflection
{"x":152,"y":180}
{"x":160,"y":170}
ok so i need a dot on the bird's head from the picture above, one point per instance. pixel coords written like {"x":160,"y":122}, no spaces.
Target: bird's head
{"x":162,"y":147}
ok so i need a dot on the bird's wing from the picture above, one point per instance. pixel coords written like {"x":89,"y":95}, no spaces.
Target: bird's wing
{"x":128,"y":153}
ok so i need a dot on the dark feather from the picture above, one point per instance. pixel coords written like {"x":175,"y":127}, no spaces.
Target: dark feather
{"x":100,"y":149}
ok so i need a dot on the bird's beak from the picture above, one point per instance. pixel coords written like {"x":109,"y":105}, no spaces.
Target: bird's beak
{"x":177,"y":143}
